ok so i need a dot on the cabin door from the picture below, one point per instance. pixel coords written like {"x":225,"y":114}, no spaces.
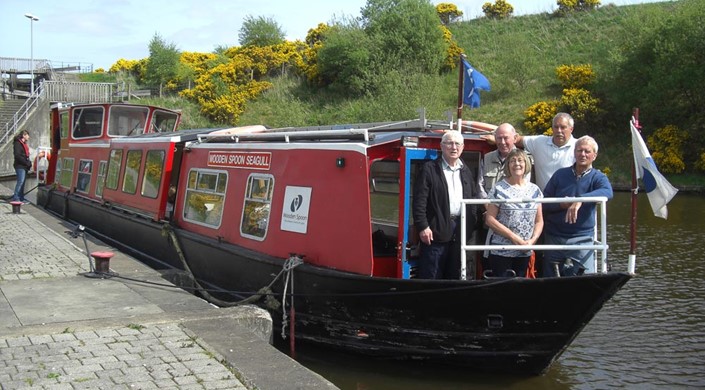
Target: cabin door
{"x":411,"y":159}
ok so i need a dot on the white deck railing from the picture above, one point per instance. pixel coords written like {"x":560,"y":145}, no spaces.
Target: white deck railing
{"x":598,"y":244}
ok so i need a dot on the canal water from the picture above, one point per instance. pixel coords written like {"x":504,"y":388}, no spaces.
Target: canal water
{"x":650,"y":335}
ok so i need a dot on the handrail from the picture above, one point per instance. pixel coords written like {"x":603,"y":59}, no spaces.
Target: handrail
{"x":597,"y":244}
{"x":22,"y":114}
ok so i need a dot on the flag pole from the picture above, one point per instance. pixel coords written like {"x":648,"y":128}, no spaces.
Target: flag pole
{"x":461,"y":72}
{"x":631,"y":265}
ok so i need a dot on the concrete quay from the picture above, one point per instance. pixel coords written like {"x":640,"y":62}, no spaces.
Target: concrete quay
{"x":60,"y":329}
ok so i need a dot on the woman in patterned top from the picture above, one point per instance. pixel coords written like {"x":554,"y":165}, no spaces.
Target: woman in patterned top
{"x":513,"y":223}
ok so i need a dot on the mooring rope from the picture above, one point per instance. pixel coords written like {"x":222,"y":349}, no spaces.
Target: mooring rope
{"x":292,"y":262}
{"x":264,"y":291}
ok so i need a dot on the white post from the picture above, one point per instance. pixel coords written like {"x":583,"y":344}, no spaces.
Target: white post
{"x":32,"y":19}
{"x":463,"y":254}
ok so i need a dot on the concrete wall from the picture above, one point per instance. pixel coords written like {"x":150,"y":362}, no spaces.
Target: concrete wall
{"x":39,"y":127}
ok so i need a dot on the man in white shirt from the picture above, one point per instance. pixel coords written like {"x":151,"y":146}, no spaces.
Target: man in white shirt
{"x":551,"y":153}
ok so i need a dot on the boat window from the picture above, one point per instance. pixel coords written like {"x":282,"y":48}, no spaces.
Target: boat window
{"x":205,"y":196}
{"x":102,"y":167}
{"x":258,"y":199}
{"x":57,"y":172}
{"x":113,"y":176}
{"x":85,"y":170}
{"x":126,"y":120}
{"x":87,"y":122}
{"x":132,"y":171}
{"x":66,"y":174}
{"x":153,"y":173}
{"x":163,"y":121}
{"x":384,"y":191}
{"x":64,"y":123}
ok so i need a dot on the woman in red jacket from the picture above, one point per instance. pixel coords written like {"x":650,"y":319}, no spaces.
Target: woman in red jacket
{"x":22,"y":164}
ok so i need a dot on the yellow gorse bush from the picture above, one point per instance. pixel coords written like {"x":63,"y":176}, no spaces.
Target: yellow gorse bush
{"x":575,"y":100}
{"x":539,"y":116}
{"x":223,"y":88}
{"x":453,"y":52}
{"x":575,"y":76}
{"x":197,"y":62}
{"x":448,"y":12}
{"x":309,"y":55}
{"x":499,"y":10}
{"x":136,"y":68}
{"x":700,"y":163}
{"x":565,"y":6}
{"x":580,"y":103}
{"x":666,"y":146}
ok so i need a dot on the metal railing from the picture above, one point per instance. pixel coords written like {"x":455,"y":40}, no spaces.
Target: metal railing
{"x":80,"y":92}
{"x":23,"y":65}
{"x":598,"y":244}
{"x":22,"y":115}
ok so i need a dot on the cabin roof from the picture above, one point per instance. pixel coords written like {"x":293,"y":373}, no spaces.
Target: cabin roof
{"x":366,"y":133}
{"x":172,"y":136}
{"x":66,"y":106}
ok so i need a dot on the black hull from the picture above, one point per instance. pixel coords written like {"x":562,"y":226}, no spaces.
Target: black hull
{"x":509,"y":325}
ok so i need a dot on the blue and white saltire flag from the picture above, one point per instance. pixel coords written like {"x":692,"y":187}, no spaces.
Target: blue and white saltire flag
{"x":473,"y":82}
{"x":658,"y":189}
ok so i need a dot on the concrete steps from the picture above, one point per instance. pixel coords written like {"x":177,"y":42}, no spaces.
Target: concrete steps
{"x":8,"y":108}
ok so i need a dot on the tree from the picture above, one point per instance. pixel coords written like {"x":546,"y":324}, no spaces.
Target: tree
{"x":406,"y":34}
{"x":260,"y":31}
{"x":343,"y":61}
{"x":661,"y":71}
{"x":163,"y":62}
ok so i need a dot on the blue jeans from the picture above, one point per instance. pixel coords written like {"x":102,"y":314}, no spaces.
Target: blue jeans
{"x":579,"y":259}
{"x":19,"y":187}
{"x":440,"y":260}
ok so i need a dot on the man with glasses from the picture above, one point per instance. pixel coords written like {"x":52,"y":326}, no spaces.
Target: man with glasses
{"x":440,"y":187}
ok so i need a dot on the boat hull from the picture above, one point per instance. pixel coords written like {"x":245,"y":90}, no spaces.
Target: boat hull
{"x":509,"y":325}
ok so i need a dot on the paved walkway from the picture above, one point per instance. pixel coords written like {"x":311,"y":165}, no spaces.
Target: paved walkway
{"x":62,"y":330}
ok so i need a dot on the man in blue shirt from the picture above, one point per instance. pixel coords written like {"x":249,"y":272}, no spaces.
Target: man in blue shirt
{"x":573,"y":222}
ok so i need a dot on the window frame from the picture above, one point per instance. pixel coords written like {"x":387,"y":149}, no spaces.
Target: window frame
{"x":250,"y":203}
{"x":191,"y":206}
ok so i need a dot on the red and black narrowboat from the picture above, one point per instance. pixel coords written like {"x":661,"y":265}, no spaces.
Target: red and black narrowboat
{"x":320,"y":216}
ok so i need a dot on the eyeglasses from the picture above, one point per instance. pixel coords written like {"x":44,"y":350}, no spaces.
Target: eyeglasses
{"x":449,"y":144}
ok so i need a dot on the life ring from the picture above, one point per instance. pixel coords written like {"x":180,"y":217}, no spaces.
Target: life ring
{"x":41,"y":163}
{"x":478,"y":127}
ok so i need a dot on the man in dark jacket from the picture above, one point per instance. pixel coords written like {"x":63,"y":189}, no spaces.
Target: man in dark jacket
{"x":22,"y":164}
{"x":440,"y":186}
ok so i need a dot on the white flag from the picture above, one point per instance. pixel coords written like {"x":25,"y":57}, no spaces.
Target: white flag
{"x":658,"y":189}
